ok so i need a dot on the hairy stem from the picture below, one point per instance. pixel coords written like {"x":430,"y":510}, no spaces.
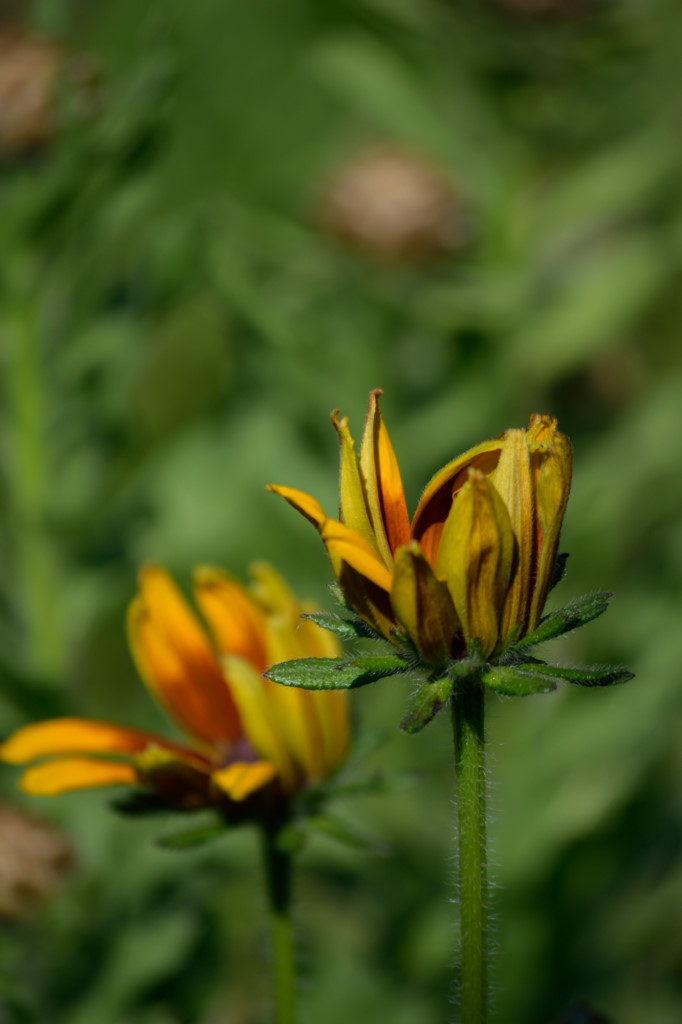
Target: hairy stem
{"x":468,"y":728}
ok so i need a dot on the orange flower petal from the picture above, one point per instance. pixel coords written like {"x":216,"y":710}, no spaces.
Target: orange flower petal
{"x":236,"y":621}
{"x":176,"y":661}
{"x":345,"y":545}
{"x":78,"y":736}
{"x":64,"y":775}
{"x":512,"y":481}
{"x":382,"y":483}
{"x":363,"y":578}
{"x":352,"y":502}
{"x":242,"y":778}
{"x":303,"y":503}
{"x":475,"y":559}
{"x":436,"y":501}
{"x":262,"y":725}
{"x":553,"y":486}
{"x":423,"y":606}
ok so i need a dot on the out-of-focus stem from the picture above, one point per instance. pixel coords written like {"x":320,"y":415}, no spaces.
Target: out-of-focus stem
{"x":278,"y":869}
{"x":468,"y":727}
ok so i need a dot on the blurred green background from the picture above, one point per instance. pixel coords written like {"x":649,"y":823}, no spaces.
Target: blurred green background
{"x":180,"y":310}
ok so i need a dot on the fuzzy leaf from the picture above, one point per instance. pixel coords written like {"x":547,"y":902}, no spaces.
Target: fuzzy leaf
{"x":575,"y":614}
{"x":335,"y":673}
{"x":607,"y":675}
{"x":347,"y":629}
{"x":426,"y":704}
{"x":517,"y":680}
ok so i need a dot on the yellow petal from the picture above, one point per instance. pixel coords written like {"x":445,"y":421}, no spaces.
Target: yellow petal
{"x":260,"y":723}
{"x":175,"y":659}
{"x":316,"y":641}
{"x":273,"y":593}
{"x":77,"y":736}
{"x":236,"y":621}
{"x":296,"y":711}
{"x":365,"y":581}
{"x":311,"y":641}
{"x":63,"y":775}
{"x":345,"y":545}
{"x":512,"y":480}
{"x":242,"y":778}
{"x":553,"y":486}
{"x":382,"y":484}
{"x":303,"y":503}
{"x":475,"y":558}
{"x":422,"y":605}
{"x":352,"y":504}
{"x":436,"y":501}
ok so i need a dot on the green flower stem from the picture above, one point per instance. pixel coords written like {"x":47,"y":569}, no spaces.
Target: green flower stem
{"x":467,"y":720}
{"x":278,"y":869}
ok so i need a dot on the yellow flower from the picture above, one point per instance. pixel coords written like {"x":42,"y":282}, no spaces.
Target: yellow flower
{"x":476,"y":561}
{"x":243,"y":733}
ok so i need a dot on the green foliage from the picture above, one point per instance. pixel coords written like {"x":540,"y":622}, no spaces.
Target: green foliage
{"x":575,"y":614}
{"x":426,"y":703}
{"x":334,"y":673}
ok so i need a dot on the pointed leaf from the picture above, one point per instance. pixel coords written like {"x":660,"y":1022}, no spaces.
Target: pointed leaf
{"x":335,"y":673}
{"x":575,"y":614}
{"x":347,"y":629}
{"x":606,"y":675}
{"x":372,"y":785}
{"x":559,"y":573}
{"x":426,"y":704}
{"x":516,"y":681}
{"x":190,"y":839}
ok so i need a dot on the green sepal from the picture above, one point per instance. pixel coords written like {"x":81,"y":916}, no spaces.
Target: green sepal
{"x":190,"y":839}
{"x":575,"y":614}
{"x":559,"y":571}
{"x":347,"y":629}
{"x":517,"y":680}
{"x":335,"y":673}
{"x":426,"y":703}
{"x":338,"y":596}
{"x":607,"y":675}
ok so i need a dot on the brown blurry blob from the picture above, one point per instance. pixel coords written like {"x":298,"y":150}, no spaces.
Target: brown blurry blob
{"x":34,"y":858}
{"x":394,"y":205}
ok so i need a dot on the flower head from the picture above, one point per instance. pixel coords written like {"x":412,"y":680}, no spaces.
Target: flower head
{"x":247,"y":741}
{"x":477,"y":559}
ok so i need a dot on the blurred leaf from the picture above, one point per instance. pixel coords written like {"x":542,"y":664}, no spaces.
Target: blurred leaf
{"x":333,"y":828}
{"x":192,"y":838}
